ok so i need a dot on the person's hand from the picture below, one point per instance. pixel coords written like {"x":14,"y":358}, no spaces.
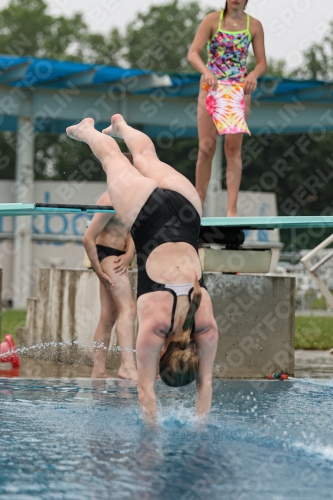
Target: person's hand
{"x":250,"y":83}
{"x":105,"y":280}
{"x":210,"y":79}
{"x":121,"y":264}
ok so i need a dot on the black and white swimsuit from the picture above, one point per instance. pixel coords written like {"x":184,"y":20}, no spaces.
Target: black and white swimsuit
{"x":167,"y":216}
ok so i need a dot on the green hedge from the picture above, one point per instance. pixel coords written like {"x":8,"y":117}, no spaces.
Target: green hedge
{"x":11,"y":320}
{"x":314,"y":332}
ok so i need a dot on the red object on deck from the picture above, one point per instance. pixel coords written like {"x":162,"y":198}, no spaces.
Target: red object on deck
{"x":8,"y":352}
{"x":14,"y":372}
{"x":278,"y":376}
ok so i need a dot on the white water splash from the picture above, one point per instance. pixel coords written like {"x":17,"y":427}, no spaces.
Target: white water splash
{"x":324,"y":452}
{"x":327,"y":382}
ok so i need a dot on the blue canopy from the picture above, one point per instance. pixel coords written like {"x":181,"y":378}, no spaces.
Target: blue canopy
{"x":149,"y":100}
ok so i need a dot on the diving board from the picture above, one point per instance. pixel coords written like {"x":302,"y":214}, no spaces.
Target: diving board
{"x":246,"y":223}
{"x":16,"y":209}
{"x":282,"y":222}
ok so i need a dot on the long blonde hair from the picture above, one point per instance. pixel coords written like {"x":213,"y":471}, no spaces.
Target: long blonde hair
{"x":179,"y":364}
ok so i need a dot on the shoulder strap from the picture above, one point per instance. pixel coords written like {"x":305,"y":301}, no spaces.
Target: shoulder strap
{"x":221,"y":18}
{"x":248,"y":22}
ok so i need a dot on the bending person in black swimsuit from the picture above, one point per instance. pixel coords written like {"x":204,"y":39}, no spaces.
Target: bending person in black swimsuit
{"x":110,"y":249}
{"x":162,"y":209}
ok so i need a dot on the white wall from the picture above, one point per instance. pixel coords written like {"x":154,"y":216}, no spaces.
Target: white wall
{"x":48,"y":253}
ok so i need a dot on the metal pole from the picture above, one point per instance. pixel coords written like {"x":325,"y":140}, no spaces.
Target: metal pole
{"x":24,"y":193}
{"x":214,"y":186}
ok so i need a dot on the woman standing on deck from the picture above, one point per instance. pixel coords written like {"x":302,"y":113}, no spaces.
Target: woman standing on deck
{"x":228,"y":34}
{"x":110,"y":249}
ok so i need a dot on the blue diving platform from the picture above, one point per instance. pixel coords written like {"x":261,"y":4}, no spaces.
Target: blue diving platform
{"x":280,"y":222}
{"x":16,"y":209}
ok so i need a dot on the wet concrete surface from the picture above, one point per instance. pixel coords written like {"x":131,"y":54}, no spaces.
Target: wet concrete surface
{"x":37,"y":368}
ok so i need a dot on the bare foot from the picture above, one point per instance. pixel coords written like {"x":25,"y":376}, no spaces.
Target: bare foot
{"x":79,"y":131}
{"x":113,"y":129}
{"x":232,"y":214}
{"x":128,"y":373}
{"x":96,"y":373}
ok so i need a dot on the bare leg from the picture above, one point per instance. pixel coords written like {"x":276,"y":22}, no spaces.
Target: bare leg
{"x":103,"y":333}
{"x":233,"y":152}
{"x":207,"y":146}
{"x":148,"y":351}
{"x":147,"y":162}
{"x":127,"y":187}
{"x":233,"y":148}
{"x":125,"y":334}
{"x":122,"y":296}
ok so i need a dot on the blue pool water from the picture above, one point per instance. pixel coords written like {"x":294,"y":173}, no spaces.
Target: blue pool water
{"x":75,"y":440}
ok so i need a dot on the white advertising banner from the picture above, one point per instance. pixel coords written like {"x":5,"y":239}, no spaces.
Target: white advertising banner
{"x":48,"y":252}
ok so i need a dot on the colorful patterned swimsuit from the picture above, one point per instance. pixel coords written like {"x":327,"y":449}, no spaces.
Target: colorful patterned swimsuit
{"x":227,"y":55}
{"x":228,"y":51}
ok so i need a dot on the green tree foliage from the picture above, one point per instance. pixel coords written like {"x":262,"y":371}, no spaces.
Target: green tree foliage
{"x":26,"y":29}
{"x":303,"y":187}
{"x":106,"y":50}
{"x":318,"y":59}
{"x":7,"y":155}
{"x":160,"y":38}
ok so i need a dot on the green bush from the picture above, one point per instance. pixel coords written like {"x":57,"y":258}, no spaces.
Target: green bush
{"x":11,"y":320}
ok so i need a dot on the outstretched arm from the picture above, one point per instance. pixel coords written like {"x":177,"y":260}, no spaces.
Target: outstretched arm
{"x":95,"y":228}
{"x":206,"y":344}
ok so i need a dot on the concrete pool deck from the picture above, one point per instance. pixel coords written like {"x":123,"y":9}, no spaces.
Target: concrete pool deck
{"x":314,"y":364}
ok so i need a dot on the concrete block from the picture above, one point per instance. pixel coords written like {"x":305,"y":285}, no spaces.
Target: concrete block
{"x":63,"y":318}
{"x":30,"y":338}
{"x":255,"y":317}
{"x":21,"y":336}
{"x":235,"y":261}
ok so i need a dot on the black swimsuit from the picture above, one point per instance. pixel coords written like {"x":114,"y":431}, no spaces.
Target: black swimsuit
{"x":167,"y":216}
{"x":103,"y":252}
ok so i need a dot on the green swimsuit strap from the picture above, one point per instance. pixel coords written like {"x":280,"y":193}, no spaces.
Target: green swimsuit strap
{"x":248,"y":23}
{"x":220,"y":22}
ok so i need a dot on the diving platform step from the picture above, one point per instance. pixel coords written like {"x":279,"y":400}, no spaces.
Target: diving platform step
{"x":235,"y":261}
